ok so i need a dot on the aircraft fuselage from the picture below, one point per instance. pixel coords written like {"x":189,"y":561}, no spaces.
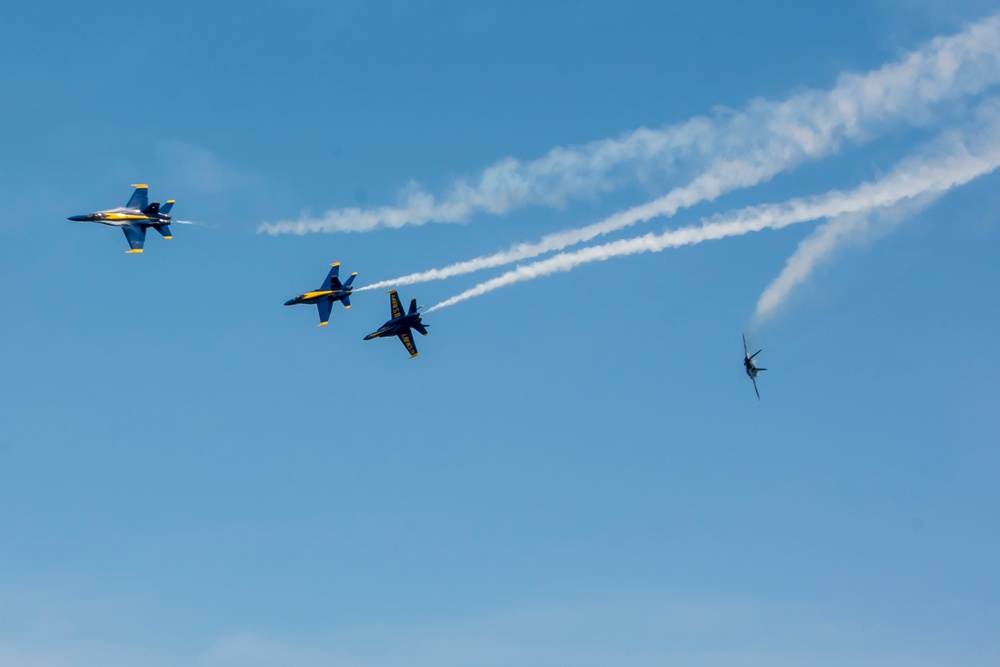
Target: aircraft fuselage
{"x":396,"y":326}
{"x":121,"y":216}
{"x":319,"y":295}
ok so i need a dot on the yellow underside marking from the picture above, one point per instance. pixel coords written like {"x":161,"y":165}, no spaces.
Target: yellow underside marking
{"x":171,"y":201}
{"x":124,"y":216}
{"x":310,"y":295}
{"x":322,"y":324}
{"x":168,"y":237}
{"x":335,"y":264}
{"x":140,"y":185}
{"x":133,"y":250}
{"x":346,"y":306}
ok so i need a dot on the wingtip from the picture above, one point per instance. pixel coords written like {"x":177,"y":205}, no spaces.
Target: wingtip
{"x":133,"y":251}
{"x":322,"y":324}
{"x":168,"y":237}
{"x":335,"y":264}
{"x":140,"y":185}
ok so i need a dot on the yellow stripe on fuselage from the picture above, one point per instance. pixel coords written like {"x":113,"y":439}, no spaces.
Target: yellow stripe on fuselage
{"x":125,"y":216}
{"x":313,"y":295}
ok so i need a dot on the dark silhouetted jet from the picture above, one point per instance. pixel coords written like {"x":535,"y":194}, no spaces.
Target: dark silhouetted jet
{"x":331,"y":290}
{"x":401,"y":324}
{"x":135,"y":217}
{"x":750,"y":366}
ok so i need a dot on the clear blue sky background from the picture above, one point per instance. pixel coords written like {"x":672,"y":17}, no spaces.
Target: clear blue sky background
{"x":575,"y":470}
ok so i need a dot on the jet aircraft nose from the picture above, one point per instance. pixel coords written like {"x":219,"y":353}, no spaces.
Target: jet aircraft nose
{"x":290,"y":302}
{"x":78,"y":218}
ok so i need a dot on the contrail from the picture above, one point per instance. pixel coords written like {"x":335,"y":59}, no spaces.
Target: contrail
{"x":953,"y":159}
{"x":729,"y":150}
{"x":704,"y":188}
{"x":863,"y":226}
{"x":829,"y":236}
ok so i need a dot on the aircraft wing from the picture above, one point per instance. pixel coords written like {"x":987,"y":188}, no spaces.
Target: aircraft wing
{"x":135,"y":235}
{"x":324,"y":311}
{"x":140,"y":198}
{"x":397,"y":307}
{"x":754,"y":380}
{"x":407,"y":339}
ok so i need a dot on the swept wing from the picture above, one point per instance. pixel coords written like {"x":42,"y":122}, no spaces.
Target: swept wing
{"x":407,"y":339}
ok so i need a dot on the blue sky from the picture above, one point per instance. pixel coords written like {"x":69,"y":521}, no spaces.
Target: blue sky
{"x":575,"y":471}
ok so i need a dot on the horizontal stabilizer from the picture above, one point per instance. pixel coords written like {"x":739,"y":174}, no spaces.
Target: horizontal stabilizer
{"x":166,"y":207}
{"x":346,"y":301}
{"x":420,"y":327}
{"x":164,"y":231}
{"x":351,"y":279}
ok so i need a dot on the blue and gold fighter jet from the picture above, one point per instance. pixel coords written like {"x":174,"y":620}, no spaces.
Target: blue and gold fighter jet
{"x":331,"y":290}
{"x":401,"y":324}
{"x":135,"y":217}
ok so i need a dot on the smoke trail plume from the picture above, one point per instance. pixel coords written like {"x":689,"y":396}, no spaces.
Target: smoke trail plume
{"x":726,"y":151}
{"x":828,"y":237}
{"x":955,"y":158}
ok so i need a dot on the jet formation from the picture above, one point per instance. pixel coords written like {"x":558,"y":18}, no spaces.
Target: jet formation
{"x":332,"y":290}
{"x":134,"y":218}
{"x":138,"y":215}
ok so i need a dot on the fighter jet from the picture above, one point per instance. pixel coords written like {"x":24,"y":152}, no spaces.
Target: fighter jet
{"x":401,"y":324}
{"x":750,"y":366}
{"x":331,"y":290}
{"x":134,"y":218}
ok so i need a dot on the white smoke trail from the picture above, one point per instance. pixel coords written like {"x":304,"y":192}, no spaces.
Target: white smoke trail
{"x":730,"y":150}
{"x":860,"y":227}
{"x":821,"y":244}
{"x":704,"y":188}
{"x":953,"y":159}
